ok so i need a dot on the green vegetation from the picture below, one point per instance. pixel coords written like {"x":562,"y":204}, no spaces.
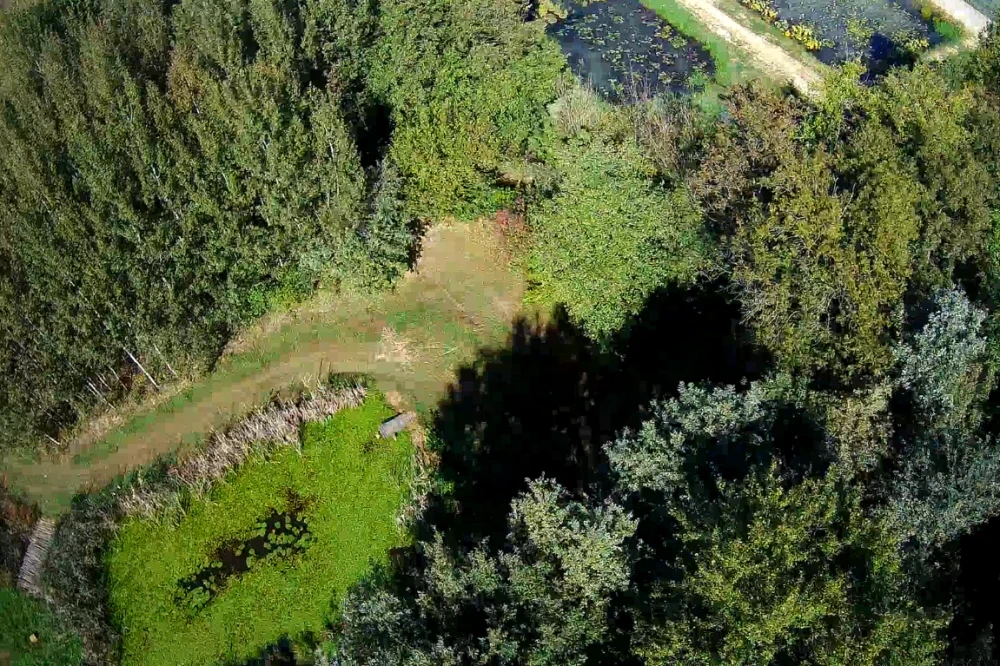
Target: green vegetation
{"x":166,"y":180}
{"x":351,"y":488}
{"x":31,"y":636}
{"x":832,"y":509}
{"x":607,"y":219}
{"x":465,"y":107}
{"x":759,"y":426}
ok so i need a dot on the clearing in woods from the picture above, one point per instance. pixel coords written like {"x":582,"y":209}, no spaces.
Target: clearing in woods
{"x":461,"y":297}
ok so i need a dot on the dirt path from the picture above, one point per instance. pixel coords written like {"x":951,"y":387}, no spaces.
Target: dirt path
{"x":461,"y":297}
{"x":767,"y":55}
{"x":971,"y":18}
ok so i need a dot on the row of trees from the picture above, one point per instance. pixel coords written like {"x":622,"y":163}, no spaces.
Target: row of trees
{"x":169,"y":171}
{"x":830,"y":511}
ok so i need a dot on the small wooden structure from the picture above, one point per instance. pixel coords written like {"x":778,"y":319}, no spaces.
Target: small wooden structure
{"x":396,"y":424}
{"x":34,"y":559}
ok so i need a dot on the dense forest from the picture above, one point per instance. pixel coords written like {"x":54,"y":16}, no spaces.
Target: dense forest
{"x":760,"y":425}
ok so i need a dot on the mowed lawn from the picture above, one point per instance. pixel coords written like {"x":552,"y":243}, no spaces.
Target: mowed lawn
{"x":352,"y":486}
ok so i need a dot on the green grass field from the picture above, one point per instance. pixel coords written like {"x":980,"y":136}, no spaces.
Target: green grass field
{"x":21,"y":618}
{"x":353,"y":486}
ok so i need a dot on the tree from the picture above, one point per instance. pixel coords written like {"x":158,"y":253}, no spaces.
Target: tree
{"x":946,"y":484}
{"x":169,"y":173}
{"x":775,"y":574}
{"x":543,"y":598}
{"x":609,"y":237}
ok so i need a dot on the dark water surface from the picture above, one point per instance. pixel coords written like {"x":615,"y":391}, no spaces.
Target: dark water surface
{"x":278,"y":535}
{"x":620,"y":47}
{"x":837,"y":21}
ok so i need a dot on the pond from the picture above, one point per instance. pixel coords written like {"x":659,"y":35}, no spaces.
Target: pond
{"x":624,"y":49}
{"x":276,"y":536}
{"x":882,"y":33}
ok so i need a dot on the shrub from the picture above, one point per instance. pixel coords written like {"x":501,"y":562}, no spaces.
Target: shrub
{"x":609,"y":236}
{"x":467,"y":83}
{"x":17,"y":518}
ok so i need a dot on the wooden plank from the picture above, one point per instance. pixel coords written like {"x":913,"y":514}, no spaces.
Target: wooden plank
{"x":29,"y":577}
{"x":396,"y":425}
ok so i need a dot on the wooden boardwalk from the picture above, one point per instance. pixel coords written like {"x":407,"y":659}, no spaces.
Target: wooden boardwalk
{"x":38,"y":549}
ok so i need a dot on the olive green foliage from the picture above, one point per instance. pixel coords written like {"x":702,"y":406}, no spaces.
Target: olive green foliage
{"x":786,"y":574}
{"x":164,"y":176}
{"x":543,"y":598}
{"x":467,"y":83}
{"x":833,"y":212}
{"x":351,"y":487}
{"x":818,"y":515}
{"x":169,"y":172}
{"x":769,"y":568}
{"x":718,"y":544}
{"x":609,"y":236}
{"x":31,"y":636}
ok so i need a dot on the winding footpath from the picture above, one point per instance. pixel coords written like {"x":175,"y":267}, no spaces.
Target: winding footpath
{"x":768,"y":56}
{"x":28,"y":578}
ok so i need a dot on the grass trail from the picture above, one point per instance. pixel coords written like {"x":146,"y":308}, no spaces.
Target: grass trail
{"x":462,"y":296}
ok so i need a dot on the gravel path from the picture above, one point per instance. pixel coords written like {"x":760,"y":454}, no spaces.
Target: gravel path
{"x":767,"y":55}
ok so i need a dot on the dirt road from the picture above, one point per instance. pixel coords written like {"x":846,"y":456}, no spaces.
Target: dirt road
{"x":767,"y":56}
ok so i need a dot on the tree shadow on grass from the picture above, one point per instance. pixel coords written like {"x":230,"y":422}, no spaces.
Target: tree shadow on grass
{"x":547,"y":402}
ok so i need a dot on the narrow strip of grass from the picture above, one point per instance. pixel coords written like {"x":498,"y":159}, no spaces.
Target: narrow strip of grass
{"x":756,"y":22}
{"x":351,"y":486}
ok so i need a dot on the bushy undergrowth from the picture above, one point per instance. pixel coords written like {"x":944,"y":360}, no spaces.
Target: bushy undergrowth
{"x":75,"y":576}
{"x":610,"y":235}
{"x":347,"y":485}
{"x":31,"y":636}
{"x":16,"y":521}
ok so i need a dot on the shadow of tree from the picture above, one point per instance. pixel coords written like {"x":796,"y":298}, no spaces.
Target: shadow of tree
{"x":967,"y":579}
{"x":547,"y":402}
{"x":281,"y":653}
